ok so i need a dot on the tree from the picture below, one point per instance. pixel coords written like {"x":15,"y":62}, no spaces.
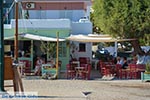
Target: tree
{"x":48,"y":48}
{"x":124,"y":19}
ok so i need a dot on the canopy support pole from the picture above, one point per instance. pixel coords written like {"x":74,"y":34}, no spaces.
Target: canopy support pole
{"x":1,"y":48}
{"x":115,"y":49}
{"x":16,"y":32}
{"x":57,"y":56}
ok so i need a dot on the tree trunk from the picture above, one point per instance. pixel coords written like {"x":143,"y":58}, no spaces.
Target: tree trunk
{"x":137,"y":48}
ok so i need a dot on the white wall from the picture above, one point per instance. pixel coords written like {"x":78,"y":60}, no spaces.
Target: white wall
{"x":81,"y":28}
{"x":73,"y":15}
{"x":75,"y":27}
{"x":88,"y":52}
{"x":43,"y":23}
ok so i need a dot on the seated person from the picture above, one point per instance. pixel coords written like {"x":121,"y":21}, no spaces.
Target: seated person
{"x":52,"y":62}
{"x":125,"y":64}
{"x":119,"y":60}
{"x":38,"y":66}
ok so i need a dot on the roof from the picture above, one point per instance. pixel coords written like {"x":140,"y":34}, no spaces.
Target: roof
{"x":95,"y":38}
{"x":45,"y":35}
{"x":53,"y":0}
{"x":38,"y":37}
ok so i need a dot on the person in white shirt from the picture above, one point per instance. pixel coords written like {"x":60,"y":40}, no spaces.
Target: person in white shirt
{"x":141,"y":59}
{"x":119,"y":60}
{"x":38,"y":66}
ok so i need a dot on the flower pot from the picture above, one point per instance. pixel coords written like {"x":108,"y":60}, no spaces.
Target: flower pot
{"x":145,"y":76}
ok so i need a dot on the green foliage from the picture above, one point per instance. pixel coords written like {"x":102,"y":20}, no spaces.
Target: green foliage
{"x":48,"y":47}
{"x":148,"y":67}
{"x":145,"y":40}
{"x":123,"y":18}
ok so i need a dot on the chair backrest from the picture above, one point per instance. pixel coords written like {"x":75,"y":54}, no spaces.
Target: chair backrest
{"x":132,"y":67}
{"x":75,"y":63}
{"x":89,"y":67}
{"x":118,"y":67}
{"x":59,"y":63}
{"x":83,"y":65}
{"x":84,"y":60}
{"x":70,"y":67}
{"x":101,"y":63}
{"x":141,"y":66}
{"x":8,"y":69}
{"x":88,"y":70}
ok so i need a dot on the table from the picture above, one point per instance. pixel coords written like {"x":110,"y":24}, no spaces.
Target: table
{"x":79,"y":71}
{"x":130,"y":72}
{"x":77,"y":63}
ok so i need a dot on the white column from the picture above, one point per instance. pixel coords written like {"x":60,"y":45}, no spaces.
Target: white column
{"x":116,"y":47}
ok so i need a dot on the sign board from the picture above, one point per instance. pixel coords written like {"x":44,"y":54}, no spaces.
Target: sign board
{"x":49,"y":71}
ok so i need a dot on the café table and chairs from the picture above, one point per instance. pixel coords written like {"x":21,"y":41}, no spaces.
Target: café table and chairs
{"x":107,"y":68}
{"x":70,"y":73}
{"x":79,"y":72}
{"x":75,"y":70}
{"x":87,"y":72}
{"x":133,"y":71}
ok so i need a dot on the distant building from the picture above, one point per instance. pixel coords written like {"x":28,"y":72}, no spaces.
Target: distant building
{"x":44,"y":19}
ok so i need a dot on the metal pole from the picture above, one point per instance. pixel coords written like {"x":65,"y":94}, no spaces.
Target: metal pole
{"x":116,"y":48}
{"x":57,"y":56}
{"x":16,"y":32}
{"x":1,"y":48}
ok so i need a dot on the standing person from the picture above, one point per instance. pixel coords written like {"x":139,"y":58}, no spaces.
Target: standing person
{"x":38,"y":66}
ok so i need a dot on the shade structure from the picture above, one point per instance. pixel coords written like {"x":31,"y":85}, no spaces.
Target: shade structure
{"x":49,"y":0}
{"x":95,"y":38}
{"x":38,"y":37}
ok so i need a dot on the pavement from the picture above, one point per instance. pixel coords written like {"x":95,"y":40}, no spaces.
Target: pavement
{"x":94,"y":89}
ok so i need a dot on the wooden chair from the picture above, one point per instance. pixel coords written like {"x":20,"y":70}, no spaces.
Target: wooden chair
{"x":8,"y":72}
{"x":12,"y":73}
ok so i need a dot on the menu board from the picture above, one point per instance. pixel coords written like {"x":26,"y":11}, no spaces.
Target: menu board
{"x":48,"y":71}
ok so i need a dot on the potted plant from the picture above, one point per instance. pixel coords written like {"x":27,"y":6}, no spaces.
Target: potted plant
{"x":146,"y":75}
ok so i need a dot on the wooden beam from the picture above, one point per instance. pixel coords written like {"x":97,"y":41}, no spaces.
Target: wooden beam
{"x":16,"y":32}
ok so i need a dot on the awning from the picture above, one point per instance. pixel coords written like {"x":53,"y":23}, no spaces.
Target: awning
{"x":95,"y":38}
{"x":38,"y":37}
{"x":49,"y":35}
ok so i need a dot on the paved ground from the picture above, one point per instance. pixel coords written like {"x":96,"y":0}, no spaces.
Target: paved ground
{"x":98,"y":89}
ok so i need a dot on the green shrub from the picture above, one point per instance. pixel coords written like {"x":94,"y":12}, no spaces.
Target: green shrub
{"x":148,"y":67}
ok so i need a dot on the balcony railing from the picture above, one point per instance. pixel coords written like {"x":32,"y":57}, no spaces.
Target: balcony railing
{"x":82,"y":27}
{"x":43,"y":23}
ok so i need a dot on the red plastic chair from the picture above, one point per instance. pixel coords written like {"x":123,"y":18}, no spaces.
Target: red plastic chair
{"x":141,"y":68}
{"x":133,"y":73}
{"x":27,"y":69}
{"x":104,"y":70}
{"x":70,"y":71}
{"x":84,"y":60}
{"x":121,"y":73}
{"x":118,"y":68}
